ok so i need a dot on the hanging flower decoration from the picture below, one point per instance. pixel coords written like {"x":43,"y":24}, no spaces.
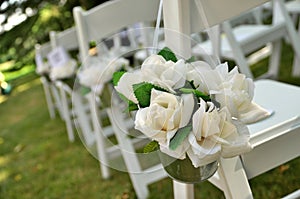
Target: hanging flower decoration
{"x":189,"y":109}
{"x":64,"y":71}
{"x":100,"y":71}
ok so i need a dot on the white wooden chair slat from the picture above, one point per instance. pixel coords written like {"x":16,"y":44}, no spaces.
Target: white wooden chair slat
{"x":140,"y":178}
{"x":48,"y":96}
{"x":67,"y":39}
{"x":293,"y":7}
{"x":98,"y":23}
{"x":249,"y":38}
{"x":216,"y":14}
{"x":68,"y":117}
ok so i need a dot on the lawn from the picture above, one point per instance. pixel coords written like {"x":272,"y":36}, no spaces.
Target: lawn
{"x":38,"y":161}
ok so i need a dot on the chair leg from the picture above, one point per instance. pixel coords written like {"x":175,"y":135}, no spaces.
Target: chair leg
{"x":49,"y":101}
{"x":237,"y":51}
{"x":67,"y":115}
{"x":296,"y":62}
{"x":141,"y":188}
{"x":275,"y":59}
{"x":294,"y":36}
{"x":183,"y":191}
{"x":57,"y":100}
{"x":235,"y":182}
{"x":99,"y":136}
{"x":82,"y":119}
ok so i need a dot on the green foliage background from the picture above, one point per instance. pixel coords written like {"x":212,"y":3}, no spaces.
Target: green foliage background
{"x":17,"y":45}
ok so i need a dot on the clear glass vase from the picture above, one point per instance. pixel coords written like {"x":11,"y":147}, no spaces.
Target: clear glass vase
{"x":184,"y":171}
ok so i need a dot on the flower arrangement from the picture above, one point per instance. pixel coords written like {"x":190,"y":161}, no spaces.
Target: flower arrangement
{"x":64,"y":71}
{"x":100,"y":72}
{"x":189,"y":109}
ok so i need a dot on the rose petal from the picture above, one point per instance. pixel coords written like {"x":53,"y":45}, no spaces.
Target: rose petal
{"x":253,"y":114}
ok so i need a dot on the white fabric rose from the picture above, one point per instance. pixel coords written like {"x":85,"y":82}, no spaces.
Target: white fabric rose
{"x":113,"y":66}
{"x":64,"y":71}
{"x":234,"y":91}
{"x":164,"y":116}
{"x":100,"y":72}
{"x":126,"y":82}
{"x":90,"y":76}
{"x":215,"y":134}
{"x":195,"y":74}
{"x":166,"y":74}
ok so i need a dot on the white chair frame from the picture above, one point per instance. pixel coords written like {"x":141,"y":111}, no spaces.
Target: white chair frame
{"x":237,"y":42}
{"x":283,"y":127}
{"x":68,"y":40}
{"x":51,"y":93}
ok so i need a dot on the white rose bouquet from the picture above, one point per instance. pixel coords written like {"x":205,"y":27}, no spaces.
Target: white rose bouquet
{"x":100,"y":71}
{"x":65,"y":71}
{"x":189,"y":109}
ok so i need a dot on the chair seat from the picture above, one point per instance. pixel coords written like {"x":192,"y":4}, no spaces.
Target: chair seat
{"x":293,"y":6}
{"x":269,"y":94}
{"x":244,"y":34}
{"x":276,"y":139}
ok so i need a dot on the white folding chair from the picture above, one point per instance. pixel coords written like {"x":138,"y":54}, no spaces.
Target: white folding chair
{"x":51,"y":93}
{"x":97,"y":24}
{"x":269,"y":137}
{"x":238,"y":41}
{"x":68,"y":40}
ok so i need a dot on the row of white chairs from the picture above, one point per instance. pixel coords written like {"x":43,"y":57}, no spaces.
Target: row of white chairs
{"x":281,"y":128}
{"x":88,"y":123}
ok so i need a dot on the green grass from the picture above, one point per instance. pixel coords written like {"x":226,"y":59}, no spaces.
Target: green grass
{"x":38,"y":161}
{"x":10,"y":76}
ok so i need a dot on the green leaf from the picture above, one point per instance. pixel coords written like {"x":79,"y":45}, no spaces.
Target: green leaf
{"x":197,"y":93}
{"x":117,"y":76}
{"x":191,"y":59}
{"x":84,"y":90}
{"x":151,"y":146}
{"x":168,"y":54}
{"x":180,"y":135}
{"x":92,"y":44}
{"x":131,"y":106}
{"x":142,"y":92}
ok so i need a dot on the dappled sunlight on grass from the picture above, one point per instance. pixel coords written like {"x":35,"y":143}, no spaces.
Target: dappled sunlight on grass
{"x":3,"y":175}
{"x":26,"y":86}
{"x":20,"y":89}
{"x":4,"y":160}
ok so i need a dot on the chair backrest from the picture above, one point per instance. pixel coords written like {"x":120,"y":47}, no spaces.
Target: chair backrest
{"x":109,"y":18}
{"x":196,"y":15}
{"x":67,"y":39}
{"x":216,"y":14}
{"x":43,"y":49}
